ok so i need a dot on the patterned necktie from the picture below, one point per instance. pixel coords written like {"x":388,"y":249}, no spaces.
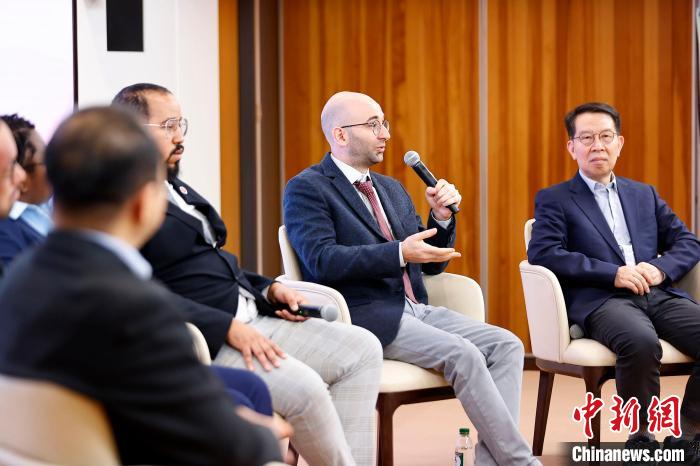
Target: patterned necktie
{"x":365,"y":187}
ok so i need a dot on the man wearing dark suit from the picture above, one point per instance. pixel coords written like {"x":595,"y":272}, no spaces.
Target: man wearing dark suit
{"x":30,"y":219}
{"x":359,"y":233}
{"x":323,"y":377}
{"x":616,"y":248}
{"x":11,"y":174}
{"x":80,"y":310}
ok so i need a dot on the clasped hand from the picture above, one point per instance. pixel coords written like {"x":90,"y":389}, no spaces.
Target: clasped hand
{"x":638,"y":278}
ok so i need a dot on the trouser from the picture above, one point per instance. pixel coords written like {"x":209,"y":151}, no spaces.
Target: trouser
{"x":326,"y":388}
{"x":631,"y":325}
{"x":484,"y":365}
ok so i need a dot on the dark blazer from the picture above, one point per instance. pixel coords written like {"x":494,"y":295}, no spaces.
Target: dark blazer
{"x":571,"y":238}
{"x":15,"y":237}
{"x":207,"y":277}
{"x":71,"y":312}
{"x":340,"y":245}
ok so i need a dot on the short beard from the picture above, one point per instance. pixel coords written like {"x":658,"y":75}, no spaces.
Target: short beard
{"x":173,"y":171}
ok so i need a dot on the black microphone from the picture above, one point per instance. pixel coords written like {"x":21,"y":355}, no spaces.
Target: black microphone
{"x":328,"y":312}
{"x":412,"y":159}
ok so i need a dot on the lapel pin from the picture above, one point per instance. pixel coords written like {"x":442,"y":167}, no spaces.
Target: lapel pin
{"x":183,"y":190}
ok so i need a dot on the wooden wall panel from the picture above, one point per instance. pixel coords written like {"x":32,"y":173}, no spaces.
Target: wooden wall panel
{"x":544,"y":58}
{"x":229,"y":122}
{"x":419,"y":60}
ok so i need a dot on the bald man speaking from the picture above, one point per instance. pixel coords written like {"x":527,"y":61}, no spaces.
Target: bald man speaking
{"x":357,"y":231}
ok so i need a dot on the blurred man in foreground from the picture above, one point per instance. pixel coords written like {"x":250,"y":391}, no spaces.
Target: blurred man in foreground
{"x":80,"y":310}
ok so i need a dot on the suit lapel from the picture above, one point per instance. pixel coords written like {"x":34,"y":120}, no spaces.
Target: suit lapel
{"x":193,"y":198}
{"x":350,"y":195}
{"x":629,"y":202}
{"x":584,"y":198}
{"x":389,"y":210}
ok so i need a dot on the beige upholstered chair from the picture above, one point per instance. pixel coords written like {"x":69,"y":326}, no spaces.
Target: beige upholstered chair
{"x":45,"y":424}
{"x":556,"y":353}
{"x":200,"y":345}
{"x":401,"y":383}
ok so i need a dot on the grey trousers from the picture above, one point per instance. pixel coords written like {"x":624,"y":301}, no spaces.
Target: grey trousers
{"x":484,"y":365}
{"x":326,"y":388}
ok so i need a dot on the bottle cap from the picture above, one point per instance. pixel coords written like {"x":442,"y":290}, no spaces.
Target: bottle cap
{"x":464,"y":431}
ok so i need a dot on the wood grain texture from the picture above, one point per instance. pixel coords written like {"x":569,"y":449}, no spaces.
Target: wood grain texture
{"x":419,"y":60}
{"x":544,"y":58}
{"x":229,"y":122}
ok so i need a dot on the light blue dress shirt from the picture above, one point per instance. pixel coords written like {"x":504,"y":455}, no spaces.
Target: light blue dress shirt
{"x":128,"y":254}
{"x":608,"y":200}
{"x":36,"y":216}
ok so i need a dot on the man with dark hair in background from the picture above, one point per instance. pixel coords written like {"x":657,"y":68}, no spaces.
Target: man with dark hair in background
{"x":11,"y":174}
{"x":80,"y":310}
{"x":323,"y":376}
{"x":29,"y":220}
{"x":616,"y":248}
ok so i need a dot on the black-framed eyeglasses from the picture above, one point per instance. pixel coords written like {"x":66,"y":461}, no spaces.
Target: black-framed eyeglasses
{"x":376,"y":126}
{"x":171,"y":125}
{"x":606,"y":137}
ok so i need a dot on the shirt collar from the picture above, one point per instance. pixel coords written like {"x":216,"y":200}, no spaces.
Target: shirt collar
{"x":17,"y":209}
{"x":350,"y":173}
{"x":123,"y":250}
{"x":592,"y":183}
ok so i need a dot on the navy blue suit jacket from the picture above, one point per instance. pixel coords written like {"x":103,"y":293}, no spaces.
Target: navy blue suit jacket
{"x":15,"y":237}
{"x":207,"y":277}
{"x":340,"y":245}
{"x":571,"y":238}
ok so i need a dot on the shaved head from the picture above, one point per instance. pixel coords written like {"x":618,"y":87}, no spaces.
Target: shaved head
{"x":346,"y":108}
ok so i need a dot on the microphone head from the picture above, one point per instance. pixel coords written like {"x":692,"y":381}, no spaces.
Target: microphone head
{"x":411,"y":158}
{"x":329,"y":312}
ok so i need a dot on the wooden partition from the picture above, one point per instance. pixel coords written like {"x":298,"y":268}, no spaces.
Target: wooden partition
{"x":419,"y":60}
{"x":546,"y":57}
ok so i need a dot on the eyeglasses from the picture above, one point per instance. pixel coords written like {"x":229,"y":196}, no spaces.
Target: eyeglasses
{"x":376,"y":126}
{"x":171,"y":125}
{"x":606,"y":137}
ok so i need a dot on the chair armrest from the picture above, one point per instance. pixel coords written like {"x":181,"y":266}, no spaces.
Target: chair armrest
{"x":320,"y":294}
{"x":691,"y":282}
{"x":200,"y":344}
{"x":546,"y":312}
{"x":456,"y":292}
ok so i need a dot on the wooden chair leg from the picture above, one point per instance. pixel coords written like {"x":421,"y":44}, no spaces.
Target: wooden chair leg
{"x":544,"y":396}
{"x":594,"y":377}
{"x":386,"y":405}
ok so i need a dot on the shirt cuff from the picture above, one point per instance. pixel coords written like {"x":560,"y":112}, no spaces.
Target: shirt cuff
{"x":401,"y":261}
{"x":443,"y":223}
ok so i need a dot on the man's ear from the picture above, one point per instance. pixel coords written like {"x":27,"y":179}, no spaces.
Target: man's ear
{"x":340,"y":136}
{"x":570,"y":148}
{"x":138,"y":204}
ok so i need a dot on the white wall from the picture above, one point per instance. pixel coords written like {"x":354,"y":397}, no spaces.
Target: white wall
{"x":36,"y":61}
{"x":181,"y":46}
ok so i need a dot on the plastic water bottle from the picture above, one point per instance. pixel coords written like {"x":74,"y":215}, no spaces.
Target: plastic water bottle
{"x":464,"y":449}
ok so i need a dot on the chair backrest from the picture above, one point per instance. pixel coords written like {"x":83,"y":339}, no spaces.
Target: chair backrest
{"x":44,"y":423}
{"x":528,"y":232}
{"x":290,"y":261}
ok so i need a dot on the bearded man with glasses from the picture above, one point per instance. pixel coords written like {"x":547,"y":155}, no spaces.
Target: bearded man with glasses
{"x":616,"y":248}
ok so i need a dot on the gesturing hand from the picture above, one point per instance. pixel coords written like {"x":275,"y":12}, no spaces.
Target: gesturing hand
{"x":415,"y":250}
{"x":250,"y":342}
{"x":630,"y":278}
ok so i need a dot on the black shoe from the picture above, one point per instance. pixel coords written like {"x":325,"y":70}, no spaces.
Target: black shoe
{"x":642,"y":442}
{"x":691,"y":450}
